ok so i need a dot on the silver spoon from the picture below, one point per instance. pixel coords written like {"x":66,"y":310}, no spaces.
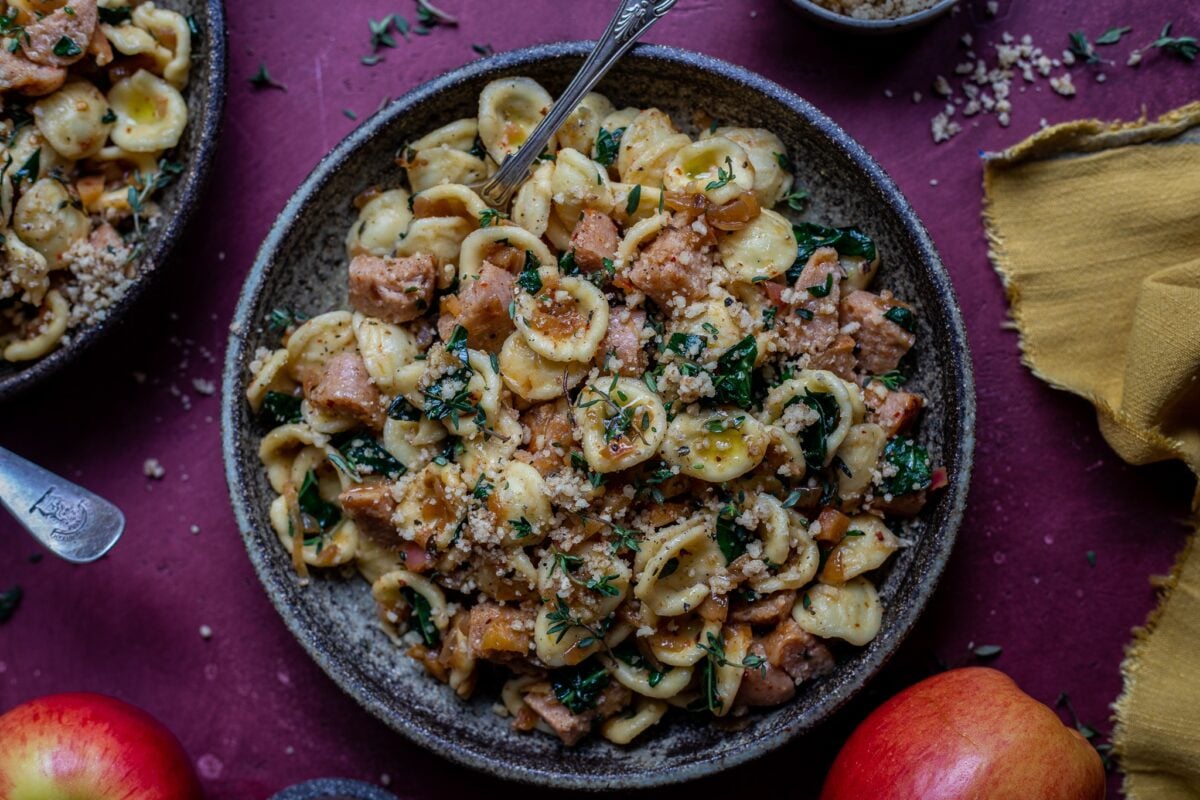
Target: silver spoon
{"x":632,"y":19}
{"x":73,"y":523}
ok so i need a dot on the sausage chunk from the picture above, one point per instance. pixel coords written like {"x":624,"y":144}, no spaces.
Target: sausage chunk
{"x":678,"y":263}
{"x":61,"y":38}
{"x":572,"y":727}
{"x":500,"y":633}
{"x":396,"y":290}
{"x":808,"y":323}
{"x":766,"y":686}
{"x":765,"y":611}
{"x":624,"y":341}
{"x":481,"y":306}
{"x":897,"y":412}
{"x":797,"y":652}
{"x":18,"y":73}
{"x":344,"y":388}
{"x":370,"y":505}
{"x":838,"y":358}
{"x":881,"y":342}
{"x":595,"y":239}
{"x":549,"y":429}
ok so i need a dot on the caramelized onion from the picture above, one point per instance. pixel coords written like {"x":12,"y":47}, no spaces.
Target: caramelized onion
{"x":736,"y":214}
{"x":691,"y":205}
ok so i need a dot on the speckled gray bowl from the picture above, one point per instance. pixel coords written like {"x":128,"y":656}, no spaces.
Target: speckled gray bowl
{"x":205,"y":97}
{"x":872,"y":27}
{"x":302,"y":264}
{"x":334,"y":789}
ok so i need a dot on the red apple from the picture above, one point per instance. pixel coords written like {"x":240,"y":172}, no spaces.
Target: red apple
{"x":966,"y":734}
{"x":90,"y":747}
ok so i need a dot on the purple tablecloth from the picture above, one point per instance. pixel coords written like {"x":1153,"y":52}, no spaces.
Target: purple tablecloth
{"x":251,"y":708}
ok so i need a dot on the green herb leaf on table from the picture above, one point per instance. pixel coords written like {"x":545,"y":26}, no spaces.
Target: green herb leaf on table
{"x":263,"y":80}
{"x":10,"y":599}
{"x":1112,"y":35}
{"x":1082,"y":48}
{"x":1184,"y":47}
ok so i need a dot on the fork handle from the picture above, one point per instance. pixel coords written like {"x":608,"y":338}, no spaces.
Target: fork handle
{"x":630,"y":22}
{"x":70,"y":521}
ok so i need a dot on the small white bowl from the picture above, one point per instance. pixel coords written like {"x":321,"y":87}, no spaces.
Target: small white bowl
{"x":872,"y":27}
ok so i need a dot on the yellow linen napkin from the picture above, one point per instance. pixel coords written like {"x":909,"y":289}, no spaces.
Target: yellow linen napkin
{"x":1095,"y":230}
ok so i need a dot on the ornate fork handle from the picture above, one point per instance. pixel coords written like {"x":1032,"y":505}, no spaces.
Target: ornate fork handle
{"x":70,"y":521}
{"x":631,"y":20}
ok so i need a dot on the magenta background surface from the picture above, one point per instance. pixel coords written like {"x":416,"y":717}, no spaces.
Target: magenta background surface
{"x":249,"y":706}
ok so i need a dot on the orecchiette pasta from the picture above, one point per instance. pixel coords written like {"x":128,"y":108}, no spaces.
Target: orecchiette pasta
{"x":641,"y":444}
{"x":87,"y":146}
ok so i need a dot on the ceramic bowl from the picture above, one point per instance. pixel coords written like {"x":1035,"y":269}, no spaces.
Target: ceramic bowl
{"x":334,"y":789}
{"x":302,"y":264}
{"x":872,"y":27}
{"x":205,"y":97}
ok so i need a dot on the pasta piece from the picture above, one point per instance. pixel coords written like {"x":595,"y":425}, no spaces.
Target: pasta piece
{"x":520,"y":501}
{"x":271,"y":376}
{"x":74,"y":119}
{"x":137,"y":42}
{"x":385,"y":349}
{"x":716,"y":168}
{"x":624,"y":728}
{"x":799,"y":568}
{"x":675,"y":578}
{"x":649,"y":143}
{"x":562,"y":318}
{"x":531,"y":207}
{"x":151,"y":113}
{"x":23,"y":144}
{"x":412,"y":442}
{"x":382,"y":222}
{"x":439,"y":237}
{"x":509,"y":110}
{"x":431,"y":506}
{"x":316,"y":341}
{"x":170,"y":30}
{"x":489,"y":243}
{"x":389,"y":593}
{"x":278,"y":449}
{"x":53,"y":326}
{"x":768,"y":154}
{"x":719,"y":325}
{"x":807,"y":402}
{"x":729,"y":670}
{"x":579,"y":183}
{"x":719,"y":445}
{"x":676,"y":640}
{"x":641,"y":678}
{"x":851,"y":612}
{"x":446,"y":155}
{"x":581,"y":127}
{"x":622,"y":423}
{"x":533,"y":377}
{"x":859,"y":272}
{"x":859,"y":454}
{"x":620,"y":120}
{"x":640,"y":235}
{"x":867,"y":545}
{"x":449,"y":200}
{"x":48,"y":222}
{"x":764,"y":249}
{"x":650,"y":201}
{"x":463,"y":394}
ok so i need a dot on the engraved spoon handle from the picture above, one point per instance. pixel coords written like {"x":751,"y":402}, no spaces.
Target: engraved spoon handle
{"x":631,"y":20}
{"x":73,"y":523}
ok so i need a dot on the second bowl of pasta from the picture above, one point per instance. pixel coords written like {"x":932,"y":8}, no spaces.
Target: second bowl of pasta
{"x":630,"y":480}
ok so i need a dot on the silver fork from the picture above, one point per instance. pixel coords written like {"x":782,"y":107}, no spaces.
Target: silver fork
{"x":70,"y":521}
{"x":632,"y":19}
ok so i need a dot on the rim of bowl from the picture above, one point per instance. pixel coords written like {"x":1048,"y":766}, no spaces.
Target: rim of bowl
{"x":893,"y":25}
{"x":190,"y":190}
{"x":961,"y":451}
